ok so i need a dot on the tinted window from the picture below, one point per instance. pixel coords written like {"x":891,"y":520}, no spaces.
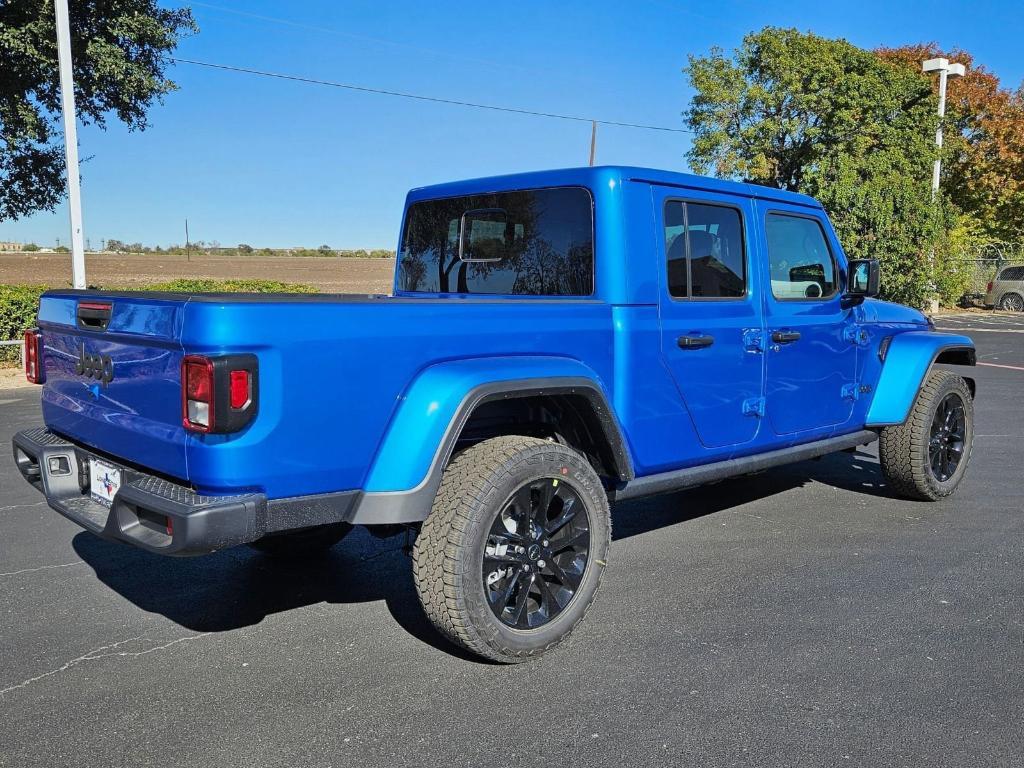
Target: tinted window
{"x":1012,"y":273}
{"x":704,"y":245}
{"x":799,"y":258}
{"x":533,"y":242}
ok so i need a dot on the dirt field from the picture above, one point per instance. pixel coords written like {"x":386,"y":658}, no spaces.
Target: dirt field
{"x":331,"y":275}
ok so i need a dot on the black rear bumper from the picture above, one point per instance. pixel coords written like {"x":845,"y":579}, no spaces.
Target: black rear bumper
{"x":148,"y":511}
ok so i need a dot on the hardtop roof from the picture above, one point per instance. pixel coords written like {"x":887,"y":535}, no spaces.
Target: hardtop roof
{"x":602,"y":174}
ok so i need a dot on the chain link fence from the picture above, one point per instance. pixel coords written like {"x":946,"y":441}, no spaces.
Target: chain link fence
{"x":980,"y":264}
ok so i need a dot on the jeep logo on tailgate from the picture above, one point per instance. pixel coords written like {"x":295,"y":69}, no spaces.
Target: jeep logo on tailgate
{"x":99,"y":367}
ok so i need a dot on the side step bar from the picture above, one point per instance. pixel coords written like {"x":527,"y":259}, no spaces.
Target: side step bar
{"x":689,"y":477}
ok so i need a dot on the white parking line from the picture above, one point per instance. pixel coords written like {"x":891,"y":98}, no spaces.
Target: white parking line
{"x":997,"y":365}
{"x":976,"y":319}
{"x":961,"y":329}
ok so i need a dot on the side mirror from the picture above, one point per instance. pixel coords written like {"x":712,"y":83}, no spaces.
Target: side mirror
{"x":862,"y":278}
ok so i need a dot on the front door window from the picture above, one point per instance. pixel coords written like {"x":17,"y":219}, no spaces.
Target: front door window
{"x":811,"y":360}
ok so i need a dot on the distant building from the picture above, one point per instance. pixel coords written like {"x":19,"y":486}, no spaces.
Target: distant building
{"x":11,"y":246}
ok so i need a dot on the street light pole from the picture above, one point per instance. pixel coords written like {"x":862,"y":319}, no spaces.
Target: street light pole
{"x":67,"y":94}
{"x":946,"y":71}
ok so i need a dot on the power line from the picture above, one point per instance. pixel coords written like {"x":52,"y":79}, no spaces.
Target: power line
{"x":418,"y":49}
{"x":432,"y":99}
{"x":352,"y":36}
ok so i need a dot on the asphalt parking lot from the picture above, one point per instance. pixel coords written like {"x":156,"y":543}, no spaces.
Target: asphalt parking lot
{"x":802,"y":616}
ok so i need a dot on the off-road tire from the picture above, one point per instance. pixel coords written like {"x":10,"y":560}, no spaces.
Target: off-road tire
{"x":903,"y":448}
{"x":303,"y":543}
{"x":448,"y":554}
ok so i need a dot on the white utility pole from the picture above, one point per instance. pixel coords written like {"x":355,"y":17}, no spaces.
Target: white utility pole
{"x":67,"y":94}
{"x":946,"y":71}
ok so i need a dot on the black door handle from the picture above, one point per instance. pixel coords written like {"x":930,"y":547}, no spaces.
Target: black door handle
{"x":695,"y":342}
{"x":785,"y":337}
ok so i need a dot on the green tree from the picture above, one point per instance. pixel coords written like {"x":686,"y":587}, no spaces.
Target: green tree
{"x":120,"y":50}
{"x":245,"y":249}
{"x":30,"y":247}
{"x":808,"y":114}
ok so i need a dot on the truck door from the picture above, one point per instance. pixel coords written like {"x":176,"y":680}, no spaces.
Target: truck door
{"x":811,"y":361}
{"x":711,"y":314}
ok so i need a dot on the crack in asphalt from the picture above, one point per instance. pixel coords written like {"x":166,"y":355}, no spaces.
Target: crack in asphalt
{"x":97,"y":653}
{"x":107,"y":651}
{"x":21,"y":506}
{"x":42,"y":568}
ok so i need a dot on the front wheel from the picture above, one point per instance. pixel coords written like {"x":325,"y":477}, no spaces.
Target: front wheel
{"x":926,"y":457}
{"x":510,"y":557}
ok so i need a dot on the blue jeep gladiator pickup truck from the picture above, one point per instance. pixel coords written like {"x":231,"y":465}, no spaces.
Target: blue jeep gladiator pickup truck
{"x":555,"y":341}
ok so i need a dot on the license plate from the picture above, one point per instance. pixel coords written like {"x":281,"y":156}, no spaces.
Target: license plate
{"x":105,"y":481}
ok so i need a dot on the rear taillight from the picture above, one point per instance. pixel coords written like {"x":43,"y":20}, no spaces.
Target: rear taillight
{"x":218,"y":394}
{"x":240,"y":385}
{"x":989,"y":289}
{"x":198,"y":407}
{"x":34,"y":357}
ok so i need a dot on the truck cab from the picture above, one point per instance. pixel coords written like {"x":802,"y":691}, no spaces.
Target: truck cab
{"x":554,"y":341}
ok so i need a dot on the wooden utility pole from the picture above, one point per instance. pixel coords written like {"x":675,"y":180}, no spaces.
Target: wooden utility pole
{"x":188,"y":248}
{"x":593,"y":140}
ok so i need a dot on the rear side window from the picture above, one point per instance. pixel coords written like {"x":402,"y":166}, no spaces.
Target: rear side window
{"x":1012,"y":273}
{"x":530,"y":243}
{"x":799,"y":258}
{"x":704,"y":247}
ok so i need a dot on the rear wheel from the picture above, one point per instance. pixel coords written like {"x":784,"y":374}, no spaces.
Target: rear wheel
{"x":1012,"y":302}
{"x":510,"y":557}
{"x":926,"y":456}
{"x":302,"y":543}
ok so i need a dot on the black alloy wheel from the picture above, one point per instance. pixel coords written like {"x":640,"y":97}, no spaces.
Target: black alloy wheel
{"x":536,"y":553}
{"x":948,"y":436}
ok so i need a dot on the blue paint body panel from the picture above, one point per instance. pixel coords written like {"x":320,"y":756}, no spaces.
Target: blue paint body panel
{"x":909,"y":357}
{"x":425,"y":411}
{"x":716,"y":411}
{"x":138,"y":415}
{"x":356,"y":392}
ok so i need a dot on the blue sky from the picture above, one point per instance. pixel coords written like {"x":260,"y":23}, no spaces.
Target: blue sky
{"x":267,"y":162}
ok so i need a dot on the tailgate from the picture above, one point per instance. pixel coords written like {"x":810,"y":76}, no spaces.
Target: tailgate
{"x":112,"y":375}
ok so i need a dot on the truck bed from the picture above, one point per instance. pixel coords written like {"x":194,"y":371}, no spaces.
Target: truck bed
{"x":332,"y":370}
